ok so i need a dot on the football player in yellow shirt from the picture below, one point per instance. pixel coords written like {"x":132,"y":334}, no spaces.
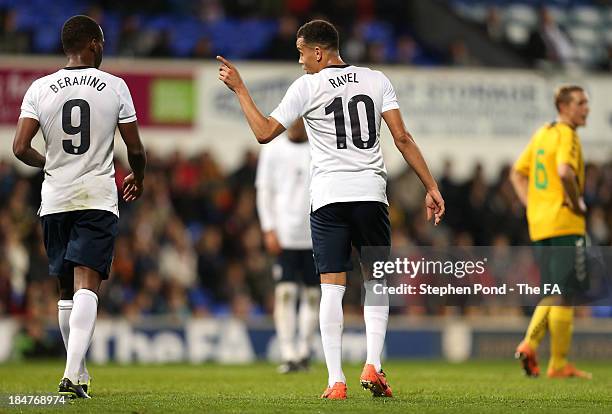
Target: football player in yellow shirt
{"x":548,"y":178}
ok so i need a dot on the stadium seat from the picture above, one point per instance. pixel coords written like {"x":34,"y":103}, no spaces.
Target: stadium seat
{"x":471,"y":11}
{"x":586,"y":15}
{"x":559,"y":14}
{"x":521,"y":13}
{"x":607,"y":36}
{"x":517,"y":33}
{"x":584,"y":35}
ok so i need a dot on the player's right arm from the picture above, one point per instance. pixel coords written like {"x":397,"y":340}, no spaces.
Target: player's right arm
{"x":264,"y":128}
{"x":412,"y":154}
{"x":22,"y":144}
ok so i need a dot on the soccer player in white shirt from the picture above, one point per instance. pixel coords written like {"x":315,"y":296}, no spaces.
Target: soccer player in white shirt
{"x":348,"y":180}
{"x":283,"y":205}
{"x":78,"y":109}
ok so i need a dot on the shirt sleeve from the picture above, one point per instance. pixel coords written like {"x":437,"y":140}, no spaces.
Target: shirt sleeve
{"x":523,"y":164}
{"x":294,"y":103}
{"x":127,"y":113}
{"x":29,"y":106}
{"x":389,"y":97}
{"x":568,"y":149}
{"x":264,"y":184}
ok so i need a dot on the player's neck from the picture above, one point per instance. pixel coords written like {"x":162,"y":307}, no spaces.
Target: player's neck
{"x":334,"y":60}
{"x":78,"y":60}
{"x":563,"y":120}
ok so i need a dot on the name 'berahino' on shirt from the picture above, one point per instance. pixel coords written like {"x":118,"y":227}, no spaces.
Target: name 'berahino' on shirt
{"x":78,"y":110}
{"x":83,"y":80}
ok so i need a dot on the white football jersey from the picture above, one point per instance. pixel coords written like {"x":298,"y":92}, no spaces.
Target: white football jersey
{"x":342,"y":108}
{"x":78,"y":110}
{"x":283,"y":201}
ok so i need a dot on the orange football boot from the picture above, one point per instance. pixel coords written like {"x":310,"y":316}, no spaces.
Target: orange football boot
{"x":374,"y":381}
{"x":568,"y":371}
{"x":337,"y":392}
{"x":527,"y":356}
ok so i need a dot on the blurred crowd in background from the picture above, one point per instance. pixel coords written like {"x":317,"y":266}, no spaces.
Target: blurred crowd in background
{"x":530,"y":33}
{"x":192,"y":246}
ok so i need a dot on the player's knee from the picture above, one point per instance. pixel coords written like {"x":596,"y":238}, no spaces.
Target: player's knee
{"x":66,"y":287}
{"x":334,"y":278}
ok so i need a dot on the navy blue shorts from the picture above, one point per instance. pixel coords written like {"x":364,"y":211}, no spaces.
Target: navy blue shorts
{"x":338,"y":227}
{"x":80,"y":238}
{"x":296,"y":266}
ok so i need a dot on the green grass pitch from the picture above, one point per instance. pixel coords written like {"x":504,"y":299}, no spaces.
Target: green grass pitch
{"x":419,"y":387}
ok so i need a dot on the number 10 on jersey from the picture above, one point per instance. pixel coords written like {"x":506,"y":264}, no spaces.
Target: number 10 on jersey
{"x":337,"y":108}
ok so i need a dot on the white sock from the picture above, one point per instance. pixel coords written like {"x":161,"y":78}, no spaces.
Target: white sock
{"x":64,"y":309}
{"x":309,"y":311}
{"x":331,"y":320}
{"x":285,"y":318}
{"x":376,"y":315}
{"x":82,"y":323}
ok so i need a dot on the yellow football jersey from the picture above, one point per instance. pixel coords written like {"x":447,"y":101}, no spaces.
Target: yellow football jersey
{"x":548,"y":213}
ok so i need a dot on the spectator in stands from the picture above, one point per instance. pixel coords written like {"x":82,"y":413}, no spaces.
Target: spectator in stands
{"x":376,"y":53}
{"x":211,"y":11}
{"x":162,"y":46}
{"x":211,"y":261}
{"x":12,"y":40}
{"x":5,"y":282}
{"x":494,"y":25}
{"x":132,"y":41}
{"x":606,"y":64}
{"x":354,"y":49}
{"x":599,"y":228}
{"x":177,"y":258}
{"x":459,"y":54}
{"x":408,"y":52}
{"x":203,"y":49}
{"x":550,"y":42}
{"x":282,"y":45}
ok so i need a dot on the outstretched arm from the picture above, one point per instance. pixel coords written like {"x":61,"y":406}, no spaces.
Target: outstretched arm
{"x":264,"y":128}
{"x":411,"y":153}
{"x":137,"y":158}
{"x":22,"y":144}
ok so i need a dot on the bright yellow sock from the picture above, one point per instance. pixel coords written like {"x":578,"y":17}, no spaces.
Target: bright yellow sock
{"x":561,"y":325}
{"x":538,"y":324}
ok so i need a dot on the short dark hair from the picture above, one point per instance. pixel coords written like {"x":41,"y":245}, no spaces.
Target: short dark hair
{"x":563,"y":94}
{"x":78,"y":31}
{"x":320,"y":32}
